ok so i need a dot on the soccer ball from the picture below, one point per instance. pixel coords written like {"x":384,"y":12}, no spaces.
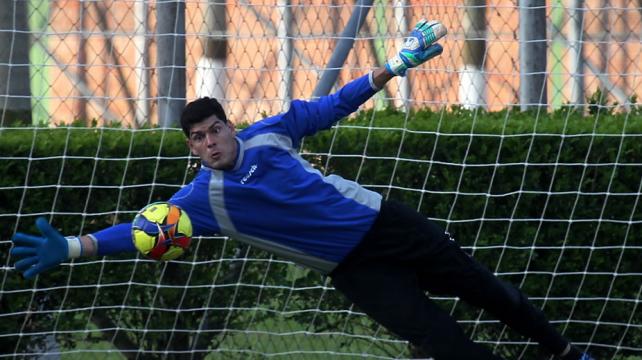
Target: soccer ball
{"x":162,"y":231}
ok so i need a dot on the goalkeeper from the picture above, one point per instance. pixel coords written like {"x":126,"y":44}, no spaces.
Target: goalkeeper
{"x":382,"y":255}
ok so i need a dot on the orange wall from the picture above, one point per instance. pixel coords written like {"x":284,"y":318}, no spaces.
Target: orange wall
{"x":253,"y":50}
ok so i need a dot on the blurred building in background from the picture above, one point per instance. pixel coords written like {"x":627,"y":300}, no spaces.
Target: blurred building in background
{"x":99,"y":60}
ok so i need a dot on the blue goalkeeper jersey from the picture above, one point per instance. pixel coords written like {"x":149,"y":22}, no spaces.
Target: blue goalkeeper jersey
{"x":274,"y":199}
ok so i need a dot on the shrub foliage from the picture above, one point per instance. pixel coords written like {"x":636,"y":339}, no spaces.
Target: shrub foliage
{"x":548,"y":201}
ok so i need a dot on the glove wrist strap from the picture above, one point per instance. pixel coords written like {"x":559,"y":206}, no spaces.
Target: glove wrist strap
{"x":74,"y":247}
{"x":396,"y":66}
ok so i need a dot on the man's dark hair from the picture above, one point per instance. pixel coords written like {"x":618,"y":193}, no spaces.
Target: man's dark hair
{"x":199,"y":110}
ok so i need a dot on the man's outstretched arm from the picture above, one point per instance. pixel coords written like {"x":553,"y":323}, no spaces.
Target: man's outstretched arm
{"x":380,"y":77}
{"x":306,"y":118}
{"x":34,"y":254}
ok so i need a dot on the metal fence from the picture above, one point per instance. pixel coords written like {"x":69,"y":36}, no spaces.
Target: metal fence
{"x":137,"y":62}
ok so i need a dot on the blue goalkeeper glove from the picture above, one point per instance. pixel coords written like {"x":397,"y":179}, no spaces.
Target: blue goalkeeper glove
{"x":36,"y":254}
{"x":418,"y":48}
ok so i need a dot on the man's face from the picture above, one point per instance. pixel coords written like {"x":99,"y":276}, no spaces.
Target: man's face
{"x":213,"y":141}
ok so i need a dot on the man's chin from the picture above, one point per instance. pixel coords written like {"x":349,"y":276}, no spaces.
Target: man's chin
{"x":216,"y":165}
{"x":208,"y":163}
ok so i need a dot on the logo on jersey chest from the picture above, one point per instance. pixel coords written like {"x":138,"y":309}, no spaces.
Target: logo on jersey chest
{"x":249,"y":174}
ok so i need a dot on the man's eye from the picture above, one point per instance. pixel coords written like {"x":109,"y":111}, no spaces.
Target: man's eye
{"x":197,"y":138}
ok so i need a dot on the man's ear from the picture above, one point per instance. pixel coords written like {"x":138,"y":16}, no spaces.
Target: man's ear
{"x":188,"y":141}
{"x":232,"y":126}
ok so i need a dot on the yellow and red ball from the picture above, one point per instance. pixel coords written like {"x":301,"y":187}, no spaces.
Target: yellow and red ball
{"x":162,"y":231}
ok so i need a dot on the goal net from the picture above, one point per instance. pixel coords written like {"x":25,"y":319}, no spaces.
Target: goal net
{"x":547,"y":198}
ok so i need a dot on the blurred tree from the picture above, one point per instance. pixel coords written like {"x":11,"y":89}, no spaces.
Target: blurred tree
{"x":15,"y":93}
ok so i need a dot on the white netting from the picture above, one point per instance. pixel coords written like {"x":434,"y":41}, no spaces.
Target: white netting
{"x":97,"y":59}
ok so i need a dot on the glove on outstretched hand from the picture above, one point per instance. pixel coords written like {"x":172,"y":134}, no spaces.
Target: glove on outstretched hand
{"x":418,"y":48}
{"x":36,"y":254}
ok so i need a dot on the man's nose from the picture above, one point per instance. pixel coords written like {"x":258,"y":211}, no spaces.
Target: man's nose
{"x":211,"y":141}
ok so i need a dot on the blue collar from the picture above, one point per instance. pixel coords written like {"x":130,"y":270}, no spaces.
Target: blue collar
{"x":240,"y":150}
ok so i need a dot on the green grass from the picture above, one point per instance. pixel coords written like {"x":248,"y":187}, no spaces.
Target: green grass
{"x":286,"y":339}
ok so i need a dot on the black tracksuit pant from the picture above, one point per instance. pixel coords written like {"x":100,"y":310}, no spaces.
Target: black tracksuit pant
{"x":403,"y":256}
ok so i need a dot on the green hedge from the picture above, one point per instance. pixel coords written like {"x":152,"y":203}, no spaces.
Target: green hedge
{"x":490,"y":178}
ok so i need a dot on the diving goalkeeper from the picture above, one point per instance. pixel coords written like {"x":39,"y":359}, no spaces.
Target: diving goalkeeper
{"x":382,"y":255}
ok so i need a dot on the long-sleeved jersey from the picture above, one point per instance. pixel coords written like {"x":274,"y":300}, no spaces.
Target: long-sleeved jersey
{"x":274,"y":199}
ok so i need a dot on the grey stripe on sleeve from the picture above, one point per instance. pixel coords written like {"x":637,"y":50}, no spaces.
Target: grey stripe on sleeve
{"x":217,"y":204}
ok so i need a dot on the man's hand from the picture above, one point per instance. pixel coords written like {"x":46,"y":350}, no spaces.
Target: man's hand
{"x":418,"y":48}
{"x":36,"y":254}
